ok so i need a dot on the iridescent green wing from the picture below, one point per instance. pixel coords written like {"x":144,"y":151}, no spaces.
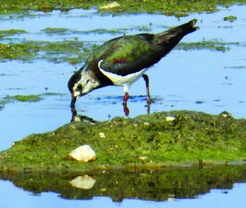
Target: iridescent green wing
{"x":127,"y":54}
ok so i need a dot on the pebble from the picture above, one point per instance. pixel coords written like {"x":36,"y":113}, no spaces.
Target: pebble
{"x":83,"y":153}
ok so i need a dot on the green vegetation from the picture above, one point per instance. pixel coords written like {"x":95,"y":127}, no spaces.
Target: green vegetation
{"x":230,"y":18}
{"x":146,"y":142}
{"x":56,"y":31}
{"x":4,"y":33}
{"x":167,"y":7}
{"x":24,"y":98}
{"x":74,"y":51}
{"x":69,"y":51}
{"x":210,"y":45}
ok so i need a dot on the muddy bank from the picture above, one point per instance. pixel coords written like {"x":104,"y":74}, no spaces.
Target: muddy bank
{"x":159,"y":140}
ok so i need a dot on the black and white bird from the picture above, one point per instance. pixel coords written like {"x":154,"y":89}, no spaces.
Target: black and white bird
{"x":123,"y":60}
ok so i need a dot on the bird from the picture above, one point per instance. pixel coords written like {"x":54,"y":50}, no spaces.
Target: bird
{"x":123,"y":60}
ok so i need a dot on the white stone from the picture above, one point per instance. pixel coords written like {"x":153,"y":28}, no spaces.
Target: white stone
{"x":170,"y":118}
{"x":83,"y":153}
{"x":102,"y":135}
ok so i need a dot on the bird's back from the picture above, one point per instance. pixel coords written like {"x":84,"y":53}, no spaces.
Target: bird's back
{"x":130,"y":54}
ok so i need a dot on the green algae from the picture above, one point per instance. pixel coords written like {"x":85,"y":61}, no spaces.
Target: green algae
{"x":230,"y":18}
{"x":167,"y":7}
{"x":4,"y":33}
{"x":213,"y":45}
{"x":145,"y":142}
{"x":74,"y":51}
{"x":24,"y":98}
{"x":55,"y":31}
{"x":52,"y":51}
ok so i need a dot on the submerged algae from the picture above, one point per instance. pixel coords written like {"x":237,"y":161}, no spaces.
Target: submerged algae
{"x":144,"y":142}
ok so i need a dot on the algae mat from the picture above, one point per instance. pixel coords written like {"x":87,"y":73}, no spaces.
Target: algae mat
{"x":159,"y":140}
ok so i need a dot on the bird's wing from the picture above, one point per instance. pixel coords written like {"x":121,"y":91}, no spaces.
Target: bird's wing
{"x":127,"y":54}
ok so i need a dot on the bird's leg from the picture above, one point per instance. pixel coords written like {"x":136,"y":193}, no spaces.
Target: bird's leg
{"x":126,"y":110}
{"x":74,"y":114}
{"x":72,"y":104}
{"x":146,"y":79}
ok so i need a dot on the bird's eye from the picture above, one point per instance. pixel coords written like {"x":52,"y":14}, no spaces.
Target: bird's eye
{"x":79,"y":87}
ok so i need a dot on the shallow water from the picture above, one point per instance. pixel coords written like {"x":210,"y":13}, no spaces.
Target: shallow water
{"x":201,"y":80}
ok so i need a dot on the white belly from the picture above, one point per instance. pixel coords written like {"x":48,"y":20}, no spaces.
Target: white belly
{"x":122,"y":80}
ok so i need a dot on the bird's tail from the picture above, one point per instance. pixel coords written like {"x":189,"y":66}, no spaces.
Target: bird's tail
{"x":171,"y":37}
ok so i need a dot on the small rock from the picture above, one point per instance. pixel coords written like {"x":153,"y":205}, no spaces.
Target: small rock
{"x":102,"y":135}
{"x":83,"y":182}
{"x":83,"y":153}
{"x":146,"y":123}
{"x":143,"y":157}
{"x":170,"y":118}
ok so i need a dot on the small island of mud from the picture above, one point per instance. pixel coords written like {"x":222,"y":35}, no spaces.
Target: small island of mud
{"x":155,"y":141}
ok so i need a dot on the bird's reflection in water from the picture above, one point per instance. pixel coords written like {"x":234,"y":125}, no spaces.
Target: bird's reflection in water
{"x":126,"y":110}
{"x":78,"y":118}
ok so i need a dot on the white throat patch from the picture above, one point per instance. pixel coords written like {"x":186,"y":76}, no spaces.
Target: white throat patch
{"x":119,"y":80}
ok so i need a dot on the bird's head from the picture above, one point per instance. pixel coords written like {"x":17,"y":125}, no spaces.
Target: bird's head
{"x":82,"y":82}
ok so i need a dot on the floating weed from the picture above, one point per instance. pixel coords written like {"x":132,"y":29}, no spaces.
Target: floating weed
{"x":230,"y":18}
{"x":104,"y":31}
{"x":51,"y":51}
{"x":24,"y":98}
{"x":56,"y":31}
{"x":74,"y":51}
{"x":27,"y":98}
{"x":62,"y":31}
{"x":4,"y":33}
{"x":18,"y":51}
{"x":210,"y":45}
